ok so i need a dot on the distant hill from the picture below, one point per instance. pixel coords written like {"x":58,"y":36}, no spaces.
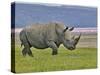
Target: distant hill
{"x":77,"y":16}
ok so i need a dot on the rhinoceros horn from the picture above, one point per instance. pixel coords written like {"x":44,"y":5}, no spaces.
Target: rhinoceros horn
{"x":72,"y":28}
{"x":77,"y":39}
{"x":65,"y":29}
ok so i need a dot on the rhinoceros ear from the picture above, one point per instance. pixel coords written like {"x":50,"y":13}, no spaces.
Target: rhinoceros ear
{"x":65,"y":29}
{"x":72,"y":28}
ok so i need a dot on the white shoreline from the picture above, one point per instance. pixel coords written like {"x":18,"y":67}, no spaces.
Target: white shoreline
{"x":88,"y":30}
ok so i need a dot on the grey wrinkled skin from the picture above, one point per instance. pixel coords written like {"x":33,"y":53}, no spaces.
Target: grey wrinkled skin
{"x":49,"y":35}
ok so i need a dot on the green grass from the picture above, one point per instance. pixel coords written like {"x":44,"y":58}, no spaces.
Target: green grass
{"x":81,"y":58}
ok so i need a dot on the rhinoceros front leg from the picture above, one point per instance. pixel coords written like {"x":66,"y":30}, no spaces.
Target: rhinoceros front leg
{"x":52,"y":45}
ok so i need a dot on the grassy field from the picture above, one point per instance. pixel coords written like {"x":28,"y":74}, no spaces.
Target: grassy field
{"x":81,"y":58}
{"x":84,"y":57}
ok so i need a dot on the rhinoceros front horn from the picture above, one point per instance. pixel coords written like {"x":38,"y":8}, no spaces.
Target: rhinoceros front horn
{"x":77,"y":39}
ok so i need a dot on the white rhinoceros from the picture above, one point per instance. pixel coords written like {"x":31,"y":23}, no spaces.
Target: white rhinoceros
{"x":50,"y":35}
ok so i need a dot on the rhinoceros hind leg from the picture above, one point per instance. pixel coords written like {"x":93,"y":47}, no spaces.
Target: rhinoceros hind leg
{"x":30,"y":53}
{"x":24,"y":51}
{"x":27,"y":51}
